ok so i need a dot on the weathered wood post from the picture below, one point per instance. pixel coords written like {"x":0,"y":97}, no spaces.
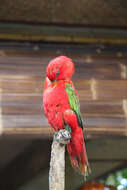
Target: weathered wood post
{"x":57,"y":162}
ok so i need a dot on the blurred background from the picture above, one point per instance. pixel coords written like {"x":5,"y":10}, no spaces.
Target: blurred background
{"x":92,"y":33}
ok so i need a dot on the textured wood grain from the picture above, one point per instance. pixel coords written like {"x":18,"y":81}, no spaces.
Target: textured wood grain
{"x":98,"y":79}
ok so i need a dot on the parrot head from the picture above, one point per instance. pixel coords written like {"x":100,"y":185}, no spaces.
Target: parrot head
{"x":60,"y":68}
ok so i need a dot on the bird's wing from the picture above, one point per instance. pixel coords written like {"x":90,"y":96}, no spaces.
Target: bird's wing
{"x":74,"y":102}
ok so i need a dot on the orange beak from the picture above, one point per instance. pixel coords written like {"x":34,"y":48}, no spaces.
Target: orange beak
{"x":54,"y":83}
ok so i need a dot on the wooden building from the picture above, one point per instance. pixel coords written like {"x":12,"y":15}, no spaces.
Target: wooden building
{"x":94,"y":34}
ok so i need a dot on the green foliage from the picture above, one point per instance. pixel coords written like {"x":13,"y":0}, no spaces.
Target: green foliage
{"x":117,"y":179}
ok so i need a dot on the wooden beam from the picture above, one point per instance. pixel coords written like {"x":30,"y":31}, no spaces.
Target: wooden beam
{"x":61,"y":34}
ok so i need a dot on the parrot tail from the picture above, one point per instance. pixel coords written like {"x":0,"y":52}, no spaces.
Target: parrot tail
{"x":76,"y":147}
{"x":77,"y":153}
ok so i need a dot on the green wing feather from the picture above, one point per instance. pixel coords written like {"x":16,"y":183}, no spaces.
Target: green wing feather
{"x":74,"y":102}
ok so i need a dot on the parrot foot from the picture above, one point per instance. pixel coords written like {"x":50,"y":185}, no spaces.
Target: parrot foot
{"x":62,"y":136}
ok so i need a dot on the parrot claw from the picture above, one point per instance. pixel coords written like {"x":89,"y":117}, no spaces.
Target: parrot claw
{"x":62,"y":136}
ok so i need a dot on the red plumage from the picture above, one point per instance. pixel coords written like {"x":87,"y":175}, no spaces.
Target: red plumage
{"x":59,"y":111}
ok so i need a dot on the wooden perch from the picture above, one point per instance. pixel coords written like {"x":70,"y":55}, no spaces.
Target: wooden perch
{"x":57,"y":162}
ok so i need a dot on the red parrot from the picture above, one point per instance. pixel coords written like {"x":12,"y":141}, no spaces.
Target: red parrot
{"x":62,"y":108}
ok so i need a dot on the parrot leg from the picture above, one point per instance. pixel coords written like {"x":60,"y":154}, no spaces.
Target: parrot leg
{"x":63,"y":136}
